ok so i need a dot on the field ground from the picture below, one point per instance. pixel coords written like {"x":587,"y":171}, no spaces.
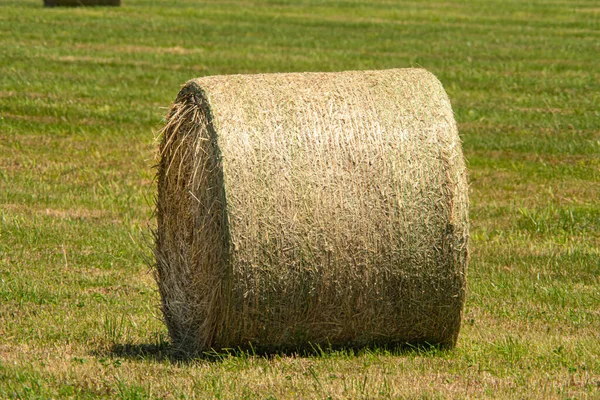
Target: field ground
{"x":83,"y":91}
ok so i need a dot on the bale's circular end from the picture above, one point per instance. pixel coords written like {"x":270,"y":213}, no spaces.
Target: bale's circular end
{"x":321,"y":208}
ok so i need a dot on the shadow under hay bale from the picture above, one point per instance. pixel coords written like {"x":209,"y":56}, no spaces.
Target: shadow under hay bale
{"x":311,"y":208}
{"x":78,"y":3}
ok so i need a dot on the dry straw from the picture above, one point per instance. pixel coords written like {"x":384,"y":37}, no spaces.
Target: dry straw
{"x":311,"y":209}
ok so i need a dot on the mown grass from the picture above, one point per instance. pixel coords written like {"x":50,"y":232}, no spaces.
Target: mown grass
{"x":82,"y":92}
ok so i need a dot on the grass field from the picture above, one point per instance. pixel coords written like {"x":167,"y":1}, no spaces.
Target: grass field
{"x":83,"y":91}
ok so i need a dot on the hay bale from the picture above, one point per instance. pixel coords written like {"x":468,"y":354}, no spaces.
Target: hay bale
{"x":77,"y":3}
{"x":321,"y":208}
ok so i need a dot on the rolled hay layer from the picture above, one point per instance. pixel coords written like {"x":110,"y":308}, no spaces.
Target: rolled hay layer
{"x":310,"y":209}
{"x":77,"y":3}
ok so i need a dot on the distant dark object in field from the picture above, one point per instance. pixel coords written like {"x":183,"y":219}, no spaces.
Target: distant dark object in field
{"x":311,"y":209}
{"x":79,"y":3}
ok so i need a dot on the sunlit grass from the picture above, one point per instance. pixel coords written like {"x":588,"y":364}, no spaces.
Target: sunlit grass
{"x":83,"y":91}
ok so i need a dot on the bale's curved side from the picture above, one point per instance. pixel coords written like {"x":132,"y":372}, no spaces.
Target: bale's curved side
{"x":328,"y":208}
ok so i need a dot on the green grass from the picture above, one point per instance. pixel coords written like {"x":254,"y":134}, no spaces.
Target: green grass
{"x":83,"y":91}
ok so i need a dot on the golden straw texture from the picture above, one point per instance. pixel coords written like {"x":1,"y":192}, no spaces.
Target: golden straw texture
{"x":311,"y":209}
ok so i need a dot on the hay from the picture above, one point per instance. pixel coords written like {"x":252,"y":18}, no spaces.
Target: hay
{"x":321,"y":208}
{"x":77,"y":3}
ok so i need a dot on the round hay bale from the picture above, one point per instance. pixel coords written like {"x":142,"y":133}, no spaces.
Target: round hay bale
{"x":310,"y":209}
{"x":78,"y":3}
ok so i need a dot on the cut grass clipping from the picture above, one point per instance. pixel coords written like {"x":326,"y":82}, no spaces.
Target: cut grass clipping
{"x":78,"y":3}
{"x":307,"y":209}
